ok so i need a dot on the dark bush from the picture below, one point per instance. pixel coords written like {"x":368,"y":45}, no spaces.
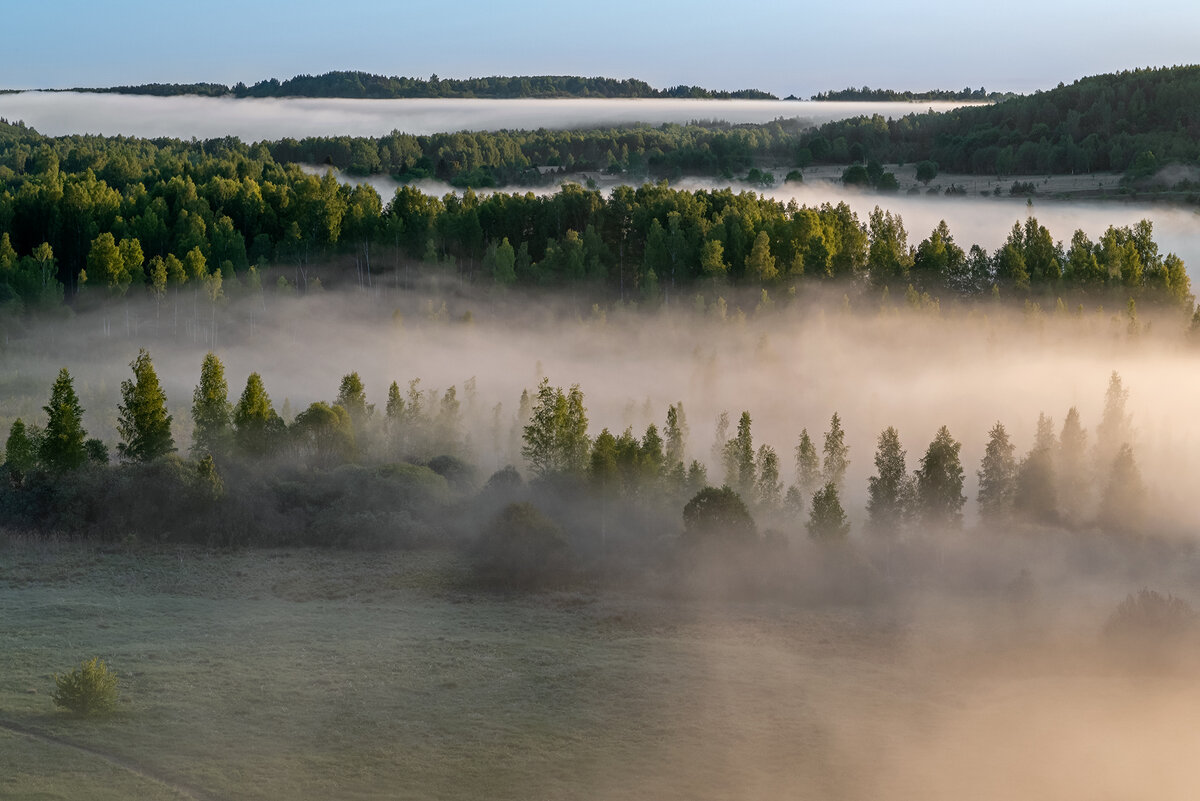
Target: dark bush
{"x":718,"y":514}
{"x":522,"y":549}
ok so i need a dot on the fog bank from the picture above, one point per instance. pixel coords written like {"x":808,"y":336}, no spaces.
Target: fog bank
{"x":255,"y":119}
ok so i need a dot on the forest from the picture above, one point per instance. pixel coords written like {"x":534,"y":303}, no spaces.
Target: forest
{"x":364,"y":85}
{"x":348,"y":473}
{"x":867,"y":93}
{"x":94,"y":219}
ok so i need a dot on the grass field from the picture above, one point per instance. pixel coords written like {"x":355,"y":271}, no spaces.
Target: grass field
{"x":325,"y":675}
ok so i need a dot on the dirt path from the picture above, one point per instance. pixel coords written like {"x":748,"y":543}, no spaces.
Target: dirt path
{"x":127,"y":765}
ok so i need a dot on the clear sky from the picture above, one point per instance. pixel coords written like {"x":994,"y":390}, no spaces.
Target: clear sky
{"x":785,"y":47}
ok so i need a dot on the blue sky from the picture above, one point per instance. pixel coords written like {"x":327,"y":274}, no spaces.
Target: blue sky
{"x":783,"y":47}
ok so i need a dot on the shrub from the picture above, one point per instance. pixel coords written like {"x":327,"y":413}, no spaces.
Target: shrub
{"x":90,"y":690}
{"x":718,"y":514}
{"x":521,"y":548}
{"x":1150,"y":619}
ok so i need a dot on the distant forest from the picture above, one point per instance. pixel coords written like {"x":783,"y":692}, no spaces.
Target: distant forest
{"x":363,"y":85}
{"x":866,"y":93}
{"x":107,"y":216}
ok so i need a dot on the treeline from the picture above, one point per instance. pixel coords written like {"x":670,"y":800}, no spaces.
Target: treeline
{"x":112,"y":216}
{"x":364,"y":85}
{"x":1132,"y":121}
{"x":866,"y":93}
{"x":347,"y":473}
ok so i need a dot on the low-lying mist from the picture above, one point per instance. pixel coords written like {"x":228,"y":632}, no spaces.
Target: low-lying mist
{"x":256,"y":119}
{"x":932,"y":665}
{"x":791,"y":366}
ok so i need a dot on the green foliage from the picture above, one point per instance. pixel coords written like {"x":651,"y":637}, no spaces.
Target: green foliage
{"x":89,"y":691}
{"x":718,"y":515}
{"x":324,"y":434}
{"x":142,"y":419}
{"x":997,"y":477}
{"x":555,"y":439}
{"x":888,"y":491}
{"x":939,"y":482}
{"x":212,"y":413}
{"x":257,"y":429}
{"x":837,"y":452}
{"x":826,"y":518}
{"x":62,"y":441}
{"x":20,"y":451}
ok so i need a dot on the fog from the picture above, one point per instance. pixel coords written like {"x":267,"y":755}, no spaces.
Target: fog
{"x":986,"y":677}
{"x":255,"y":119}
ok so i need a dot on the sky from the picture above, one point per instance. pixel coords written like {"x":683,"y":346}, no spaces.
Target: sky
{"x":783,"y":47}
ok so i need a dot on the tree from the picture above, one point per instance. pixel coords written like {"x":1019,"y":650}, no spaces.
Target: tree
{"x":760,"y":264}
{"x":888,"y":490}
{"x":353,"y":398}
{"x":676,"y":432}
{"x":20,"y":451}
{"x":1072,"y":467}
{"x":1116,"y":427}
{"x":142,"y":419}
{"x":808,"y":465}
{"x":556,"y":438}
{"x":106,"y":265}
{"x":712,"y":259}
{"x":62,"y":445}
{"x":826,"y":518}
{"x":833,"y":469}
{"x":718,"y":515}
{"x":739,"y":458}
{"x":1123,"y":507}
{"x":769,"y":489}
{"x":939,"y":498}
{"x":256,"y":426}
{"x":212,"y":413}
{"x":1036,"y":494}
{"x":504,"y":261}
{"x":997,"y":477}
{"x":326,"y":432}
{"x":926,"y":171}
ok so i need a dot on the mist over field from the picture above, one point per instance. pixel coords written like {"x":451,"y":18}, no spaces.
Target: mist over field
{"x":982,"y":672}
{"x":256,"y":119}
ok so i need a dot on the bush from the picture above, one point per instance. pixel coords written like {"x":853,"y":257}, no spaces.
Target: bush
{"x":521,"y":548}
{"x":718,"y":515}
{"x":90,"y":690}
{"x":1149,"y":618}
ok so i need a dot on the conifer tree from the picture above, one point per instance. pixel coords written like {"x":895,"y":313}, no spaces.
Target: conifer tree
{"x":808,"y":465}
{"x":353,"y":398}
{"x":256,"y":426}
{"x":826,"y":518}
{"x":833,"y":469}
{"x":1072,"y":467}
{"x":1123,"y":507}
{"x":997,"y":477}
{"x":20,"y":451}
{"x":939,"y":498}
{"x":212,"y":413}
{"x":1036,"y":496}
{"x":142,"y":419}
{"x":63,"y":440}
{"x":888,"y":490}
{"x":769,"y":487}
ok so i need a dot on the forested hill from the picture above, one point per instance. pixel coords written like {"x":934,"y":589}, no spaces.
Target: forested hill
{"x":349,"y":84}
{"x":1136,"y":120}
{"x":866,"y":93}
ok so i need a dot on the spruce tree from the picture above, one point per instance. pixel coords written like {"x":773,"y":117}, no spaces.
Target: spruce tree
{"x":256,"y":426}
{"x":353,"y":398}
{"x":62,"y":445}
{"x":939,"y":498}
{"x":20,"y":451}
{"x":142,"y":419}
{"x":888,"y":490}
{"x":808,"y":465}
{"x":212,"y":413}
{"x":769,"y":487}
{"x":833,"y":469}
{"x":826,"y":518}
{"x":997,"y":477}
